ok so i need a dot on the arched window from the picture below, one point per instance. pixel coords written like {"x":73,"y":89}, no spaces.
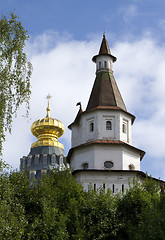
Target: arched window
{"x":99,"y":65}
{"x":108,"y":125}
{"x":91,"y":127}
{"x":105,"y":64}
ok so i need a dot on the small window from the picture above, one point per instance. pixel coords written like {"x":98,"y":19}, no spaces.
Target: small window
{"x":122,"y":188}
{"x":105,"y":64}
{"x":113,"y":188}
{"x":85,"y":166}
{"x":108,"y":164}
{"x":91,"y":127}
{"x":104,"y":185}
{"x":108,"y":125}
{"x":132,"y":166}
{"x":99,"y":65}
{"x":124,"y":128}
{"x":110,"y":65}
{"x":94,"y":186}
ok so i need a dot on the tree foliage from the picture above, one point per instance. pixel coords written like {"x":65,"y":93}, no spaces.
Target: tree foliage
{"x":15,"y":71}
{"x":58,"y":208}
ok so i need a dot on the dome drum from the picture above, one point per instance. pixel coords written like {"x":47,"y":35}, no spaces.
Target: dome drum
{"x":42,"y":161}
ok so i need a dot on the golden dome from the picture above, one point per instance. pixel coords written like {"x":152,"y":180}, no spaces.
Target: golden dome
{"x":47,"y":130}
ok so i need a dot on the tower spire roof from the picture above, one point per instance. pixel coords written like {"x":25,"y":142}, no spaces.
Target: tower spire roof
{"x":104,"y":50}
{"x":105,"y":92}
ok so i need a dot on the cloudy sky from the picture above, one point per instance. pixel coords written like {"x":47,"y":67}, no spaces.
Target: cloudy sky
{"x":64,"y":36}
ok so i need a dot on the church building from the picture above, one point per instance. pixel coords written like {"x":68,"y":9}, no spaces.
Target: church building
{"x":102,"y":154}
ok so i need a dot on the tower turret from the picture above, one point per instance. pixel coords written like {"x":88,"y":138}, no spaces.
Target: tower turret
{"x":102,"y":148}
{"x":105,"y":92}
{"x":104,"y":60}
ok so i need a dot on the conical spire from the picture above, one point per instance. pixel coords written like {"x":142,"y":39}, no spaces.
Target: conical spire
{"x":105,"y":92}
{"x":104,"y":50}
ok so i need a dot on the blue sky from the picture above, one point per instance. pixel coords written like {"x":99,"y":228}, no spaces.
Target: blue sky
{"x":64,"y":36}
{"x":82,"y":18}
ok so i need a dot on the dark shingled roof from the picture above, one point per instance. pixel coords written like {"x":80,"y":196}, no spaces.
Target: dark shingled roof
{"x":105,"y":92}
{"x":104,"y":50}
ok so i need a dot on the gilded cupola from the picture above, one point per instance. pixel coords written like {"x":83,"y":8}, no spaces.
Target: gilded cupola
{"x":47,"y":130}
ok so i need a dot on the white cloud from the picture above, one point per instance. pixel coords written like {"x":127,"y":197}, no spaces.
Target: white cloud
{"x":63,"y":71}
{"x":140,"y":74}
{"x":67,"y":73}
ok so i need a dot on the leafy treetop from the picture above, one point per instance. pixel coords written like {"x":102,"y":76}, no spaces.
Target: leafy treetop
{"x":15,"y":71}
{"x":58,"y":208}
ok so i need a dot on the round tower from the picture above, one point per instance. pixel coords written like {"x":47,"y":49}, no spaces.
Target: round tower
{"x":101,"y":151}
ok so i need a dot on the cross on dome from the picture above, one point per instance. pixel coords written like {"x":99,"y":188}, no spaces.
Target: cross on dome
{"x":48,"y":109}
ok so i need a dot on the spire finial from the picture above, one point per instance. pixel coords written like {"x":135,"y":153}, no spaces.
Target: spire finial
{"x":104,"y":34}
{"x":48,"y":109}
{"x":79,"y":104}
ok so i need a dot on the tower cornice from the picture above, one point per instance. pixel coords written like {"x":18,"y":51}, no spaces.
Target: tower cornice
{"x":106,"y":142}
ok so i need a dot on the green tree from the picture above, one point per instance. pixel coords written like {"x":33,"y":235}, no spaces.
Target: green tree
{"x":58,"y":208}
{"x":98,"y":215}
{"x":12,"y":213}
{"x":15,"y":71}
{"x":139,"y":212}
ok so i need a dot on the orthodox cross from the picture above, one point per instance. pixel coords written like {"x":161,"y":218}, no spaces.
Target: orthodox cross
{"x":48,"y":109}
